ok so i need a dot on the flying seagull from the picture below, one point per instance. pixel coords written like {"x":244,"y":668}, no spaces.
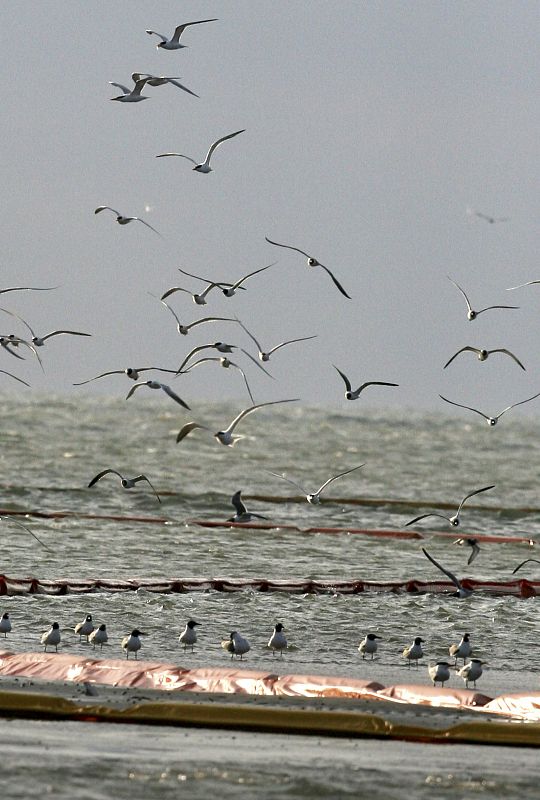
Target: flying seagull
{"x":486,"y":217}
{"x":224,"y":362}
{"x":350,"y":395}
{"x":454,"y":521}
{"x":221,"y":347}
{"x":230,"y":290}
{"x":473,"y":544}
{"x":483,"y":354}
{"x":127,"y":483}
{"x":471,"y":314}
{"x":490,"y":420}
{"x":131,"y":372}
{"x":226,"y":436}
{"x":205,"y":165}
{"x":122,"y":220}
{"x":315,"y":497}
{"x":460,"y":590}
{"x":312,"y":262}
{"x":242,"y":514}
{"x":198,"y":298}
{"x":185,"y":329}
{"x":158,"y":385}
{"x":264,"y":355}
{"x":130,"y":95}
{"x":39,"y":341}
{"x":174,"y":42}
{"x":160,"y":80}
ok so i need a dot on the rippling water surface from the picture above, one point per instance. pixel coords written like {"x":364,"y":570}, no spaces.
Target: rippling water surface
{"x":52,"y":447}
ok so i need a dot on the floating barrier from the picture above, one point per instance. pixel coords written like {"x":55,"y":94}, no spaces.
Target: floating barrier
{"x":20,"y":586}
{"x":9,"y":512}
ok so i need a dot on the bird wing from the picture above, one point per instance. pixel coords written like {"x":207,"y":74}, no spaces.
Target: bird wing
{"x":255,"y":361}
{"x":462,"y":292}
{"x":345,"y":379}
{"x":335,"y":477}
{"x":471,"y":494}
{"x":238,"y":504}
{"x":178,"y":31}
{"x":139,"y":85}
{"x":14,"y":376}
{"x":247,"y":411}
{"x":148,"y":225}
{"x":29,"y":288}
{"x":135,"y":386}
{"x":463,"y":349}
{"x":336,"y":282}
{"x":101,"y":474}
{"x":6,"y":347}
{"x":155,"y":33}
{"x":490,"y":307}
{"x":180,"y":155}
{"x":474,"y":553}
{"x":20,"y":525}
{"x":144,"y":478}
{"x":107,"y":208}
{"x":121,"y":87}
{"x":288,"y":247}
{"x":521,"y":285}
{"x":518,"y":404}
{"x":375,"y":383}
{"x":508,"y":353}
{"x":283,"y":478}
{"x":523,"y":564}
{"x":192,"y":353}
{"x":447,"y":572}
{"x":186,"y":429}
{"x":102,"y":375}
{"x":469,"y":408}
{"x":237,"y":284}
{"x":209,"y":319}
{"x":243,"y":374}
{"x":218,"y":142}
{"x":423,"y":516}
{"x":172,"y":291}
{"x":250,"y":335}
{"x":196,"y":364}
{"x":181,"y":86}
{"x":174,"y":396}
{"x":290,"y":341}
{"x":71,"y":333}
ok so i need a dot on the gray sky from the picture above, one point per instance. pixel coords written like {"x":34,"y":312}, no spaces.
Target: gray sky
{"x":370,"y":128}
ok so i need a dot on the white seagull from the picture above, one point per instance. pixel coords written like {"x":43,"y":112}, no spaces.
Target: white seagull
{"x":224,"y":362}
{"x":127,"y":483}
{"x":122,"y":220}
{"x":414,"y":651}
{"x":39,"y":341}
{"x":174,"y":42}
{"x":471,"y":314}
{"x":354,"y":395}
{"x":236,"y":645}
{"x":229,"y":291}
{"x":132,"y":643}
{"x":312,"y":262}
{"x":315,"y":497}
{"x":473,"y":544}
{"x":199,"y":298}
{"x":226,"y":437}
{"x":368,"y":645}
{"x":160,"y":80}
{"x":483,"y":354}
{"x":158,"y":385}
{"x":462,"y":650}
{"x":99,"y":636}
{"x":205,"y":165}
{"x":5,"y":624}
{"x":130,"y":95}
{"x":51,"y":638}
{"x":454,"y":520}
{"x":490,"y":420}
{"x":440,"y":673}
{"x":85,"y":627}
{"x":264,"y":355}
{"x":460,"y":590}
{"x":188,"y":637}
{"x":242,"y":514}
{"x":131,"y":372}
{"x":221,"y":347}
{"x":471,"y":671}
{"x":9,"y":341}
{"x":185,"y":329}
{"x":278,"y":640}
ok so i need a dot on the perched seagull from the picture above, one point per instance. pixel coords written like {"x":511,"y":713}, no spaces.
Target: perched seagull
{"x":277,"y":640}
{"x":20,"y":525}
{"x":471,"y":671}
{"x":520,"y":286}
{"x":460,"y":590}
{"x":236,"y":645}
{"x":414,"y":651}
{"x":158,"y":385}
{"x":132,"y":372}
{"x":224,"y":362}
{"x":264,"y":355}
{"x":221,"y":347}
{"x":127,"y":483}
{"x":483,"y":354}
{"x":5,"y":624}
{"x":226,"y":436}
{"x":188,"y":637}
{"x":99,"y":636}
{"x":312,"y":262}
{"x":473,"y":544}
{"x":242,"y":514}
{"x":462,"y":650}
{"x":130,"y":95}
{"x":14,"y":376}
{"x":205,"y":166}
{"x":440,"y":672}
{"x":174,"y":42}
{"x":160,"y":80}
{"x":523,"y":564}
{"x":350,"y":395}
{"x":51,"y":637}
{"x":132,"y":643}
{"x":486,"y":217}
{"x":455,"y":519}
{"x":368,"y":645}
{"x":470,"y":313}
{"x":315,"y":497}
{"x":185,"y":329}
{"x":85,"y":628}
{"x":122,"y":220}
{"x":490,"y":420}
